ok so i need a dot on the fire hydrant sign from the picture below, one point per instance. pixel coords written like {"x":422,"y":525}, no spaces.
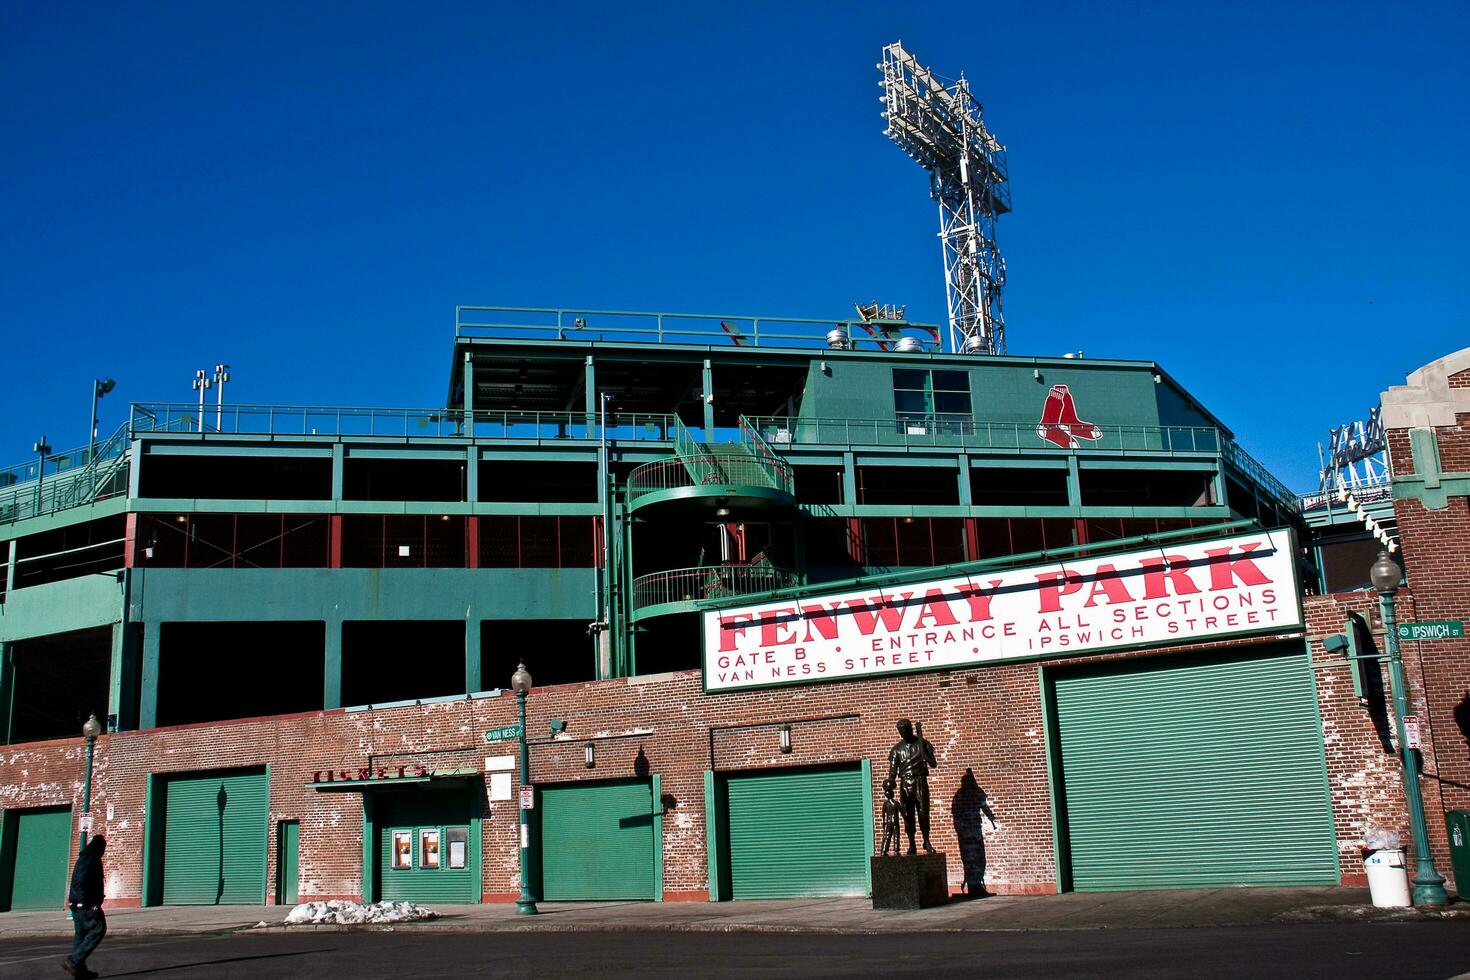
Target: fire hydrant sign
{"x":1170,"y":593}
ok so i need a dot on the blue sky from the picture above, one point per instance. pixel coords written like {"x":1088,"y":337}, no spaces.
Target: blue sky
{"x":1268,"y":199}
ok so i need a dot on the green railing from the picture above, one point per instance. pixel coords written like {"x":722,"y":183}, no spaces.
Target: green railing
{"x":1291,"y":503}
{"x":308,"y":420}
{"x":81,"y":476}
{"x":708,"y":582}
{"x":530,"y":323}
{"x":718,"y":466}
{"x":961,"y":432}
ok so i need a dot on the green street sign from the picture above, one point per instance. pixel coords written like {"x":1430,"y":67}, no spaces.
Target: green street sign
{"x":505,"y":734}
{"x":1440,"y":629}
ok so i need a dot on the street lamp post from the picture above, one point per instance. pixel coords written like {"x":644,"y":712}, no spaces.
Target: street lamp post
{"x":1428,"y":883}
{"x":100,"y":387}
{"x":42,"y":450}
{"x":520,"y":682}
{"x":90,"y":731}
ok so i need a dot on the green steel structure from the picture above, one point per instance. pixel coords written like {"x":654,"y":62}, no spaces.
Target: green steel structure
{"x":593,"y":479}
{"x":742,"y":455}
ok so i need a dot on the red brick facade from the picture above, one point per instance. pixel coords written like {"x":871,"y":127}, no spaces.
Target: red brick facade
{"x":987,"y":720}
{"x":1436,"y":548}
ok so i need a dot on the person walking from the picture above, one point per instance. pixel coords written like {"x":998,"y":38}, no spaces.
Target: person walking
{"x":85,"y":902}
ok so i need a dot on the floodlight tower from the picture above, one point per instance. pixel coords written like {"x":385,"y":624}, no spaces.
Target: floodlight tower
{"x":943,"y":128}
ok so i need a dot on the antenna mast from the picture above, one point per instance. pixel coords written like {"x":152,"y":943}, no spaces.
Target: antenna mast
{"x":943,"y":129}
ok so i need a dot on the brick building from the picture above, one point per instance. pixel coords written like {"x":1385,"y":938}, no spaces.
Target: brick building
{"x":298,"y":623}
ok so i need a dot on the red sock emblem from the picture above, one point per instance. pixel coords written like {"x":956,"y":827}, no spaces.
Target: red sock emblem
{"x":1059,"y":423}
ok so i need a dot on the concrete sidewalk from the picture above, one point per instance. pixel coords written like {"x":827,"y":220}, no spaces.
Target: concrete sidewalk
{"x":1102,"y":910}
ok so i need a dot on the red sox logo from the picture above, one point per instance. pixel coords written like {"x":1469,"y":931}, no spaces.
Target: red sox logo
{"x":1059,"y":422}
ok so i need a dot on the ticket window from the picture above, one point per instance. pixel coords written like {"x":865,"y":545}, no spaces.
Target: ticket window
{"x":430,"y":848}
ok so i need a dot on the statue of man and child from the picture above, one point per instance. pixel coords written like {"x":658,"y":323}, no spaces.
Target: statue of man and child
{"x":909,"y":763}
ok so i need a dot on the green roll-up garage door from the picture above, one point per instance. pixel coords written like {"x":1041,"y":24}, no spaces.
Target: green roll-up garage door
{"x":438,"y":850}
{"x":797,"y":833}
{"x":598,"y":841}
{"x":42,"y":849}
{"x":214,"y":838}
{"x":1194,"y":772}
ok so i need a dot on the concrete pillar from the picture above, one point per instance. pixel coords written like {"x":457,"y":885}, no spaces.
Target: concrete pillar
{"x":589,"y":396}
{"x":148,"y":692}
{"x":469,"y":395}
{"x":965,"y":498}
{"x":472,"y":473}
{"x":849,"y":480}
{"x":332,"y":665}
{"x":708,"y":386}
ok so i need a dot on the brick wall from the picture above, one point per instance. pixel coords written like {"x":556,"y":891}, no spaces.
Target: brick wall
{"x":1436,"y":549}
{"x":987,"y":721}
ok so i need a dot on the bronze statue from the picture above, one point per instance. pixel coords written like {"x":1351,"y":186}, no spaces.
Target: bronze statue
{"x":909,"y":763}
{"x":890,"y":819}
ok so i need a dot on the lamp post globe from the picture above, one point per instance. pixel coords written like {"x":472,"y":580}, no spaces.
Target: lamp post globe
{"x":520,"y":683}
{"x":1385,"y":573}
{"x":1428,"y":884}
{"x":92,"y":729}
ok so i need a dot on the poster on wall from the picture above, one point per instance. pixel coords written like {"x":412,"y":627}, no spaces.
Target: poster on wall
{"x":458,"y":840}
{"x":428,"y":848}
{"x":403,"y":849}
{"x":1169,"y":593}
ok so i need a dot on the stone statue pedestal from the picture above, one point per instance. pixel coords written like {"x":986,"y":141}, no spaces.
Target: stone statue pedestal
{"x":910,"y":881}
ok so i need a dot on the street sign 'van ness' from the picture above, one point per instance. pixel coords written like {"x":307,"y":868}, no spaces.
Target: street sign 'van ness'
{"x":1170,"y":593}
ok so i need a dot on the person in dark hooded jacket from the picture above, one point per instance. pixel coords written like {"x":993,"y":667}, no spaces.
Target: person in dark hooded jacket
{"x":85,"y":901}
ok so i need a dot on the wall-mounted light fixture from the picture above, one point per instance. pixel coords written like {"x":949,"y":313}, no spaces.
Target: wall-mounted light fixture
{"x":785,"y":738}
{"x":558,"y":726}
{"x":590,"y":755}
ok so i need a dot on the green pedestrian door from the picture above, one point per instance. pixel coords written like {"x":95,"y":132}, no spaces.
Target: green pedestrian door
{"x":598,"y":842}
{"x":795,"y":833}
{"x":288,"y":846}
{"x":1193,"y":771}
{"x":214,"y":838}
{"x":37,"y":849}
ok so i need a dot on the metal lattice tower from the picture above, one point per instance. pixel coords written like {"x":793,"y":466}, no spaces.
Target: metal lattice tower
{"x":943,"y":128}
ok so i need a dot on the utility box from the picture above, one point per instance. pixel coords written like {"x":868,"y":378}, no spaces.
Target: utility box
{"x":1457,"y":822}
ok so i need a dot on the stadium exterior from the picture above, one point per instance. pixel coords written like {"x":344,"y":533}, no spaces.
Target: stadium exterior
{"x":298,"y":624}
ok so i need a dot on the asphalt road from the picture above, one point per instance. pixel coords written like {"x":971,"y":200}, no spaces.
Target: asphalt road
{"x":1378,"y":951}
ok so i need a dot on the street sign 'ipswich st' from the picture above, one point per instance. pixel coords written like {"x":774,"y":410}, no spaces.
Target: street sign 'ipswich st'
{"x":506,"y":734}
{"x":1442,"y":629}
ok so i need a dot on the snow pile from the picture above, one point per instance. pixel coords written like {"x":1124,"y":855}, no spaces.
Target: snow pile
{"x":341,"y":913}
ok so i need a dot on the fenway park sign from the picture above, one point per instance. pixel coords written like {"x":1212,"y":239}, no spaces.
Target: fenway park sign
{"x":1173,"y":593}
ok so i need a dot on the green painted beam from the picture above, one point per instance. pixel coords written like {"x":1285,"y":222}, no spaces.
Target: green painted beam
{"x":712,"y":835}
{"x":332,"y":665}
{"x":148,"y":692}
{"x":472,"y":680}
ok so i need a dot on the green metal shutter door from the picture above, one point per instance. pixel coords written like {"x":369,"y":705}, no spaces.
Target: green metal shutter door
{"x":214,"y":839}
{"x":43,"y":851}
{"x":1201,"y":772}
{"x":597,"y":842}
{"x":416,"y":811}
{"x":798,"y":833}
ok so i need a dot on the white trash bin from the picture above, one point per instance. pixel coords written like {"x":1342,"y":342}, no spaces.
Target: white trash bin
{"x":1388,"y":880}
